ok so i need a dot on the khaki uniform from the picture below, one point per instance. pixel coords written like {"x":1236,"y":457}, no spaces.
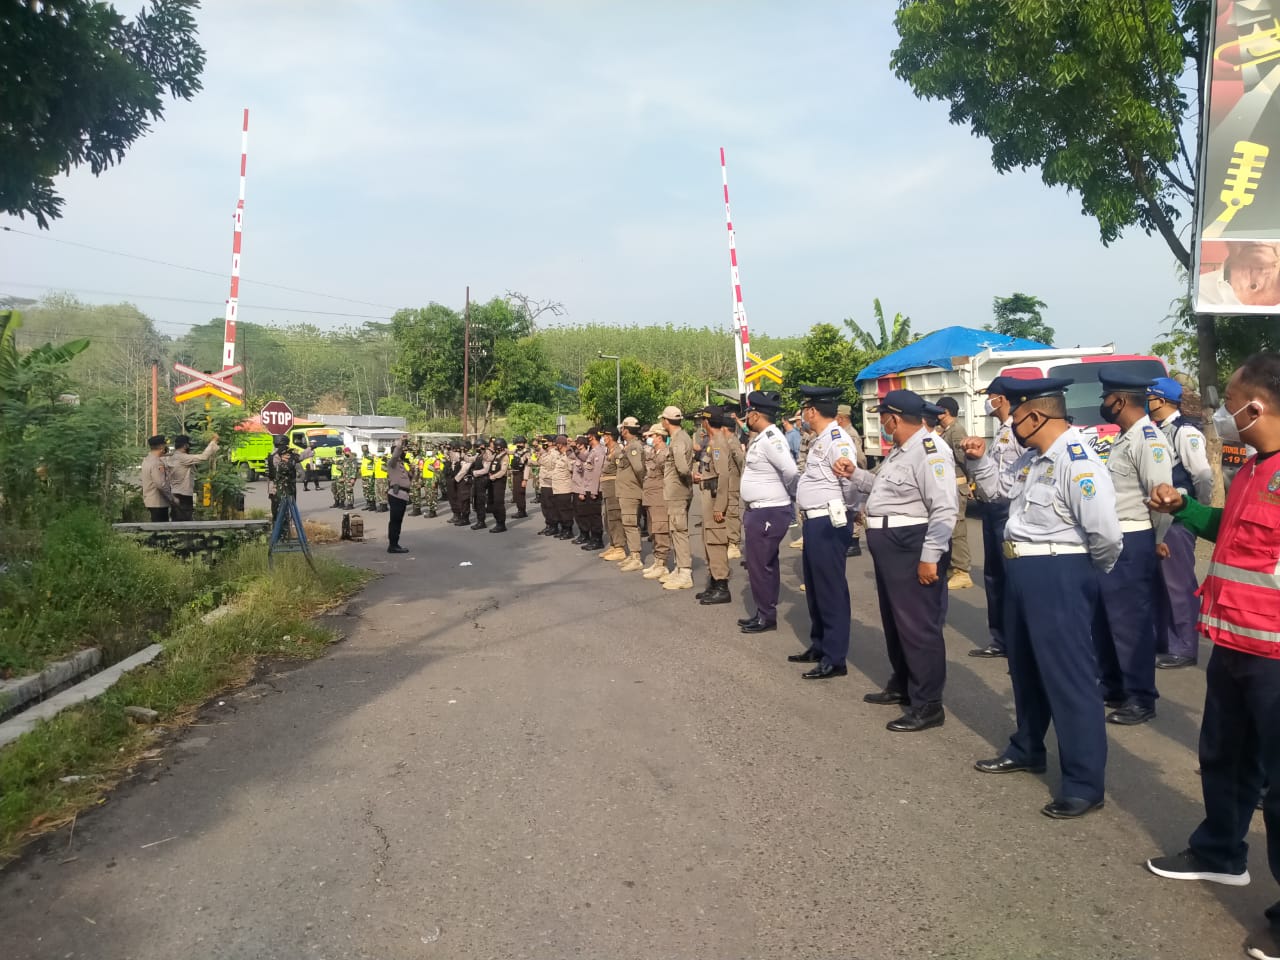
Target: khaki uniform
{"x":654,"y":505}
{"x":609,"y":492}
{"x":961,"y":560}
{"x":677,"y":489}
{"x":631,"y":470}
{"x":733,"y":517}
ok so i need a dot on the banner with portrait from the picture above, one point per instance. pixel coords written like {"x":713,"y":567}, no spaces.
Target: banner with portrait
{"x":1237,"y":253}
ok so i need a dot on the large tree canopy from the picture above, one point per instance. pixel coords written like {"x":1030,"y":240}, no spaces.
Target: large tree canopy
{"x":79,"y":84}
{"x":1019,"y":315}
{"x":1087,"y":91}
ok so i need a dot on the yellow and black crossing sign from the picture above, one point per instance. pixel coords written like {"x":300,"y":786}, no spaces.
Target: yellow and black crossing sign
{"x":759,"y":369}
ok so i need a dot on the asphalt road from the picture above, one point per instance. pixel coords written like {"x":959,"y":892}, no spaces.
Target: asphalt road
{"x":534,"y":756}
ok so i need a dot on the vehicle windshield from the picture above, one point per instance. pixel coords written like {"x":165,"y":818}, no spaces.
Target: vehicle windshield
{"x":1084,"y":396}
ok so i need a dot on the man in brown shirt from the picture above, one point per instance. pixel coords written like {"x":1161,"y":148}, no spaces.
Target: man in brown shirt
{"x":629,"y":457}
{"x":182,"y":480}
{"x":157,"y":494}
{"x":677,"y":490}
{"x":655,"y":506}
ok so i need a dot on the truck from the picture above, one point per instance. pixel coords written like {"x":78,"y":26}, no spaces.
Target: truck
{"x":253,"y":445}
{"x":959,"y":362}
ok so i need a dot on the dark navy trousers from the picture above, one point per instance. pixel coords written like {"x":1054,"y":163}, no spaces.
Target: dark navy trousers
{"x":994,"y":517}
{"x":1048,"y":610}
{"x":762,"y":532}
{"x":913,"y":615}
{"x":1124,"y":627}
{"x":825,"y":588}
{"x":1177,"y":606}
{"x":1239,"y":754}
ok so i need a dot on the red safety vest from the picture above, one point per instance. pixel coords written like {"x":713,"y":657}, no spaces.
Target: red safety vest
{"x":1240,"y":596}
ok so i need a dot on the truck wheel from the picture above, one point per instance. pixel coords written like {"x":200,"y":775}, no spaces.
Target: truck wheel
{"x":248,"y":474}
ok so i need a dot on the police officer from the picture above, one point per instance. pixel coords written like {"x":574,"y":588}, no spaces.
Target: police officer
{"x":1177,"y":606}
{"x":564,"y":479}
{"x":547,"y":457}
{"x":769,"y":478}
{"x":480,"y":481}
{"x":844,"y":417}
{"x":677,"y":490}
{"x":399,"y":483}
{"x":463,"y":483}
{"x":820,"y":490}
{"x":453,"y":455}
{"x":1062,"y":530}
{"x":499,"y":470}
{"x":910,"y":513}
{"x":181,"y":481}
{"x":1124,"y":626}
{"x":521,"y":469}
{"x":631,"y":471}
{"x":1004,"y":451}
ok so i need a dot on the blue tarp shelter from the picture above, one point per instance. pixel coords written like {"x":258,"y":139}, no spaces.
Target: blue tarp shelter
{"x":937,"y":349}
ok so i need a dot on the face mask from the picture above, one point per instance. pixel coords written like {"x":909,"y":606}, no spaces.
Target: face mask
{"x":1224,"y":421}
{"x":1106,"y":413}
{"x":1025,"y":442}
{"x":989,"y":408}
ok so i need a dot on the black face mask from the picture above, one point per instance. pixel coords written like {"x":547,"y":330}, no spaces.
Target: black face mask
{"x":1022,"y":441}
{"x":1108,"y":414}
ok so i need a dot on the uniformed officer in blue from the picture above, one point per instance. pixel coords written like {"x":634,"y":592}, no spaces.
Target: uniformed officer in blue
{"x":995,"y":513}
{"x":819,"y":490}
{"x":1124,"y":627}
{"x":1062,"y":530}
{"x":911,"y":510}
{"x":768,"y":488}
{"x":1177,"y":606}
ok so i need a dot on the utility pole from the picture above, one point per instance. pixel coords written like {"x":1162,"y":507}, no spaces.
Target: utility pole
{"x":155,"y":396}
{"x":617,"y":373}
{"x":466,"y":364}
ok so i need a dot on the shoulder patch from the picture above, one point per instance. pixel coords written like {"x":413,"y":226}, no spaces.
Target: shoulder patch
{"x":939,"y":470}
{"x":1194,"y":442}
{"x":1149,"y":432}
{"x":1088,"y":489}
{"x":1077,"y":451}
{"x":835,"y":433}
{"x":929,"y":445}
{"x":1157,"y":454}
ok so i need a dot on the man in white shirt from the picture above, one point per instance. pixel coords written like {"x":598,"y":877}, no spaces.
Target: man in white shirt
{"x":768,"y":485}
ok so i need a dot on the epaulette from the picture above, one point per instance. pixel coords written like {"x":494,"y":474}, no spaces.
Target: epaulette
{"x":1077,"y":451}
{"x":1149,"y":432}
{"x":929,"y":445}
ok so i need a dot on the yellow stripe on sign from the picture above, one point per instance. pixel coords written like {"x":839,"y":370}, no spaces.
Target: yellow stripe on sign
{"x":762,"y":369}
{"x":207,"y":390}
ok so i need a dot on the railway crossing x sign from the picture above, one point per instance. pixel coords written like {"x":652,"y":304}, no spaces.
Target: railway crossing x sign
{"x":761,"y":369}
{"x":209,"y":384}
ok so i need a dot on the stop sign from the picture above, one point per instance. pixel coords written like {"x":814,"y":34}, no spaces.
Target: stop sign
{"x":277,"y":418}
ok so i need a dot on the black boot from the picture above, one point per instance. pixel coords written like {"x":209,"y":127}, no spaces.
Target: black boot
{"x":545,"y":530}
{"x":522,"y":515}
{"x":566,"y":533}
{"x":705,"y":590}
{"x":855,"y":548}
{"x":480,"y":525}
{"x":719,"y":593}
{"x":499,"y":527}
{"x":582,"y":536}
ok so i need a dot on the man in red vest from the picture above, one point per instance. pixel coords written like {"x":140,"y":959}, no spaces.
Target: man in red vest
{"x":1240,"y":613}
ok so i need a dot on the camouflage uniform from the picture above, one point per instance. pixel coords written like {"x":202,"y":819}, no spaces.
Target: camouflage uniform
{"x":282,"y":471}
{"x":350,"y":474}
{"x":415,"y":483}
{"x":381,"y":485}
{"x":434,"y":466}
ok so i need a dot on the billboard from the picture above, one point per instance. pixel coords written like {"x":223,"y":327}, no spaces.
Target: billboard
{"x":1237,"y":256}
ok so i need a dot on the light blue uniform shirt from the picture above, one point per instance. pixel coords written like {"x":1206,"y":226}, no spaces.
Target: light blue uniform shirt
{"x":917,"y":479}
{"x":819,"y":485}
{"x":1064,"y":495}
{"x":769,"y":474}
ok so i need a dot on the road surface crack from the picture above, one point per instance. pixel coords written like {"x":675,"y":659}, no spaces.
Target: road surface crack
{"x":383,"y":852}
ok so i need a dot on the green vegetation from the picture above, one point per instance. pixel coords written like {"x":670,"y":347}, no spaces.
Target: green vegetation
{"x":96,"y":741}
{"x":1019,"y":315}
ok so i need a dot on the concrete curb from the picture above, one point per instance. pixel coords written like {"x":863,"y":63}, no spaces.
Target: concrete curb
{"x":95,"y":686}
{"x":15,"y":693}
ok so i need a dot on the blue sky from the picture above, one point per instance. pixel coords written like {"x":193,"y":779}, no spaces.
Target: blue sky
{"x":569,"y":150}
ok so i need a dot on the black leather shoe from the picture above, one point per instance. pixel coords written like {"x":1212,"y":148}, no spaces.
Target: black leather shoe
{"x":1131,"y":715}
{"x":1068,"y":808}
{"x":758,"y":627}
{"x":854,"y":549}
{"x":825,"y":671}
{"x":719,"y":593}
{"x":580,"y":538}
{"x":918,"y":718}
{"x":567,"y":535}
{"x":989,"y":652}
{"x":499,"y":528}
{"x":397,"y":550}
{"x":479,"y":525}
{"x":1008,"y":765}
{"x":809,"y":656}
{"x":888,"y":698}
{"x":1114,"y":703}
{"x":522,"y":515}
{"x":1169,"y":661}
{"x":747,"y":621}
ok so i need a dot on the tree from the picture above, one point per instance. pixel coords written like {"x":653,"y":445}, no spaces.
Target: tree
{"x":827,"y":359}
{"x":79,"y":84}
{"x":429,"y":344}
{"x":645,"y":391}
{"x":529,"y":420}
{"x":892,"y":336}
{"x":1018,"y":315}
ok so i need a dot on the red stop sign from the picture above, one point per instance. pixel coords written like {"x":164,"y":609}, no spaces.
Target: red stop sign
{"x":277,"y":418}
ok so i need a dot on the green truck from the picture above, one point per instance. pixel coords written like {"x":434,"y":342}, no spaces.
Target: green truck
{"x":253,"y":445}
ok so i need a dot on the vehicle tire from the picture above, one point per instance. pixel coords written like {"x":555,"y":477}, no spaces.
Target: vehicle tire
{"x":248,"y":474}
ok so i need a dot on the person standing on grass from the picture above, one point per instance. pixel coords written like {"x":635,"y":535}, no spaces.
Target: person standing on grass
{"x":157,"y":492}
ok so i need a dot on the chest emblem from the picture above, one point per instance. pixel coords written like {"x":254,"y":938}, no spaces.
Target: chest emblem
{"x":1273,"y":485}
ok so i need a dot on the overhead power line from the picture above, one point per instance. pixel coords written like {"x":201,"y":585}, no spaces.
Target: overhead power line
{"x":180,"y":266}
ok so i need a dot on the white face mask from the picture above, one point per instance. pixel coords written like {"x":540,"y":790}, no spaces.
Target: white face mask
{"x":989,"y":408}
{"x":1224,"y":421}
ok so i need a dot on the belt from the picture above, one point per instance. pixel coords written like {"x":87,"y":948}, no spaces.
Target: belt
{"x":879,"y":523}
{"x":816,"y":512}
{"x":764,"y":504}
{"x":1017,"y":548}
{"x":1134,"y":526}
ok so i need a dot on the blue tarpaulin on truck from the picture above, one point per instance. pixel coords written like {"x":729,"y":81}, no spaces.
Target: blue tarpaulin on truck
{"x":937,"y":349}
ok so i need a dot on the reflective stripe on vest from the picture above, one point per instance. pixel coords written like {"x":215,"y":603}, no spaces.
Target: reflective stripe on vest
{"x":1269,"y":636}
{"x":1252,"y":578}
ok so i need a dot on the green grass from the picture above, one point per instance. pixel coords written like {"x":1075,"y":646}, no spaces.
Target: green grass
{"x":97,"y":741}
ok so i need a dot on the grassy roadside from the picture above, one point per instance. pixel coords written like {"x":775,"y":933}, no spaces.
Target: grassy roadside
{"x":97,"y":742}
